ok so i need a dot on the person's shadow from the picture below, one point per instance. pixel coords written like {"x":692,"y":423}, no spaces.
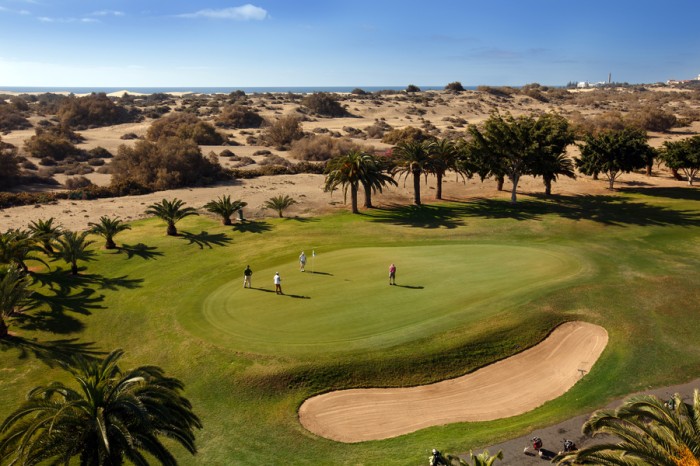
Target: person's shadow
{"x":411,"y":287}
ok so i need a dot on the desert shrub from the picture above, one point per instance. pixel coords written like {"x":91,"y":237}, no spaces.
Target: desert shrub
{"x":96,"y":162}
{"x":264,"y":152}
{"x":129,"y":136}
{"x":243,"y":162}
{"x":407,"y":134}
{"x":77,"y":182}
{"x":100,"y":153}
{"x":455,"y":87}
{"x":170,"y":162}
{"x":274,"y":160}
{"x":500,"y":91}
{"x":184,"y":126}
{"x":358,"y":91}
{"x":378,"y":129}
{"x":11,"y":118}
{"x":28,"y":165}
{"x":238,"y":116}
{"x":607,"y":121}
{"x":93,"y":111}
{"x":46,"y":145}
{"x":651,"y":119}
{"x":324,"y":104}
{"x":226,"y":153}
{"x":19,"y":104}
{"x":9,"y":165}
{"x":353,"y":132}
{"x":283,"y":132}
{"x":105,"y":170}
{"x":321,"y":148}
{"x":75,"y":169}
{"x":412,"y":88}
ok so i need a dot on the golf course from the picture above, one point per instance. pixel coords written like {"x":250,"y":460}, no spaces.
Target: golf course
{"x":478,"y":281}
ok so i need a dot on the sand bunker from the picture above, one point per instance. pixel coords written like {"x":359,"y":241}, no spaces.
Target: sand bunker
{"x":507,"y":388}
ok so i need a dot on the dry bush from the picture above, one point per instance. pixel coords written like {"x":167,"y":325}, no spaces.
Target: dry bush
{"x":238,"y":116}
{"x":9,"y":165}
{"x":100,"y":153}
{"x":321,"y":148}
{"x":77,"y":182}
{"x":11,"y":118}
{"x":46,"y":145}
{"x":243,"y":162}
{"x":651,"y":119}
{"x":275,"y":160}
{"x":93,"y":111}
{"x":184,"y":126}
{"x":129,"y":136}
{"x":378,"y":129}
{"x":455,"y":87}
{"x":407,"y":134}
{"x":322,"y":103}
{"x":283,"y":132}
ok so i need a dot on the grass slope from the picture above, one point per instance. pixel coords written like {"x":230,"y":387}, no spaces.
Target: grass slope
{"x":629,"y":262}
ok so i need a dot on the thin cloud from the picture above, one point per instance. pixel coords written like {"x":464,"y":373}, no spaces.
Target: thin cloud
{"x":246,"y":12}
{"x":47,"y":19}
{"x":107,"y":13}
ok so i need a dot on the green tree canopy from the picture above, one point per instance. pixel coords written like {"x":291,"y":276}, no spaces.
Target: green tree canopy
{"x":171,"y":212}
{"x":225,"y":207}
{"x":683,"y":155}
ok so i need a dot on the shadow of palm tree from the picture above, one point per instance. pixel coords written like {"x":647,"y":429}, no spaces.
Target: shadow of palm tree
{"x":52,"y":353}
{"x":689,"y":193}
{"x":203,"y":239}
{"x":252,"y":227}
{"x":423,"y":216}
{"x":65,"y":282}
{"x":139,"y":250}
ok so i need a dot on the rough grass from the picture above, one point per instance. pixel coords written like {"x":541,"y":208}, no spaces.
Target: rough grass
{"x":635,"y":258}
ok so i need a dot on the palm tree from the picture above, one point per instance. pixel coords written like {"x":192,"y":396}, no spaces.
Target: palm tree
{"x":550,"y":166}
{"x":650,"y":432}
{"x":17,"y":247}
{"x":224,"y":208}
{"x":14,"y":293}
{"x":446,"y":459}
{"x":171,"y":212}
{"x":443,"y":156}
{"x":46,"y":232}
{"x":108,"y":229}
{"x":411,"y":159}
{"x":113,"y":416}
{"x":279,"y":203}
{"x":72,"y":247}
{"x":375,"y":178}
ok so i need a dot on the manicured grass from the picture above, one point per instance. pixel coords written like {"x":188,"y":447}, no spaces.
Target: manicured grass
{"x":485,"y":279}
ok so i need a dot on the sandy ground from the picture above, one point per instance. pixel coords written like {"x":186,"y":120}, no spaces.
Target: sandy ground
{"x":506,"y":388}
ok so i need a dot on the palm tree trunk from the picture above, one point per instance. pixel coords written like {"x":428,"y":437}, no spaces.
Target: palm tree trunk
{"x":416,"y":188}
{"x":438,"y":192}
{"x":547,"y":187}
{"x":499,"y":182}
{"x":3,"y":328}
{"x":649,"y":167}
{"x":74,"y":268}
{"x":353,"y":198}
{"x":368,"y":196}
{"x":226,"y":221}
{"x":172,"y":231}
{"x":109,"y":244}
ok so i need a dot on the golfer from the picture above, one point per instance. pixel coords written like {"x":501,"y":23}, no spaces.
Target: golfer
{"x":278,"y":283}
{"x":302,"y":261}
{"x":247,"y":273}
{"x":392,"y":274}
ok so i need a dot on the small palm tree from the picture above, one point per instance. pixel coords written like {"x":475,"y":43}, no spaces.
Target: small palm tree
{"x":443,"y":156}
{"x":171,"y":212}
{"x":46,"y":232}
{"x":347,"y":171}
{"x":113,"y":416}
{"x":72,"y":247}
{"x":649,"y":432}
{"x":375,"y":178}
{"x":411,"y":158}
{"x":108,"y":229}
{"x":550,"y":166}
{"x":17,"y":247}
{"x":224,"y":208}
{"x":279,"y":203}
{"x":14,"y":292}
{"x":446,"y":459}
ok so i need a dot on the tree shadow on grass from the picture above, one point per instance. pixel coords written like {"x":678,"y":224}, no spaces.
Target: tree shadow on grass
{"x":689,"y":193}
{"x":53,"y":353}
{"x":139,"y":250}
{"x":252,"y":227}
{"x":204,"y":238}
{"x":65,"y":282}
{"x":605,"y":209}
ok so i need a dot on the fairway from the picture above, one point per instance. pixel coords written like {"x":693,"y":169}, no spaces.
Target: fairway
{"x":346,"y":304}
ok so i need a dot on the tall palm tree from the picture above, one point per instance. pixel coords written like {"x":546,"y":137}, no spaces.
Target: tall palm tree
{"x":108,"y":229}
{"x":225,"y":207}
{"x":171,"y":212}
{"x":113,"y":416}
{"x":411,"y":158}
{"x":17,"y":247}
{"x":650,"y":432}
{"x":14,"y":292}
{"x":443,"y":156}
{"x":351,"y":170}
{"x":279,"y":203}
{"x":46,"y":232}
{"x":72,"y":247}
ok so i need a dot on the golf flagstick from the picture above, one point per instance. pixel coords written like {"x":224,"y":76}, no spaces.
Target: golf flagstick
{"x":313,"y":261}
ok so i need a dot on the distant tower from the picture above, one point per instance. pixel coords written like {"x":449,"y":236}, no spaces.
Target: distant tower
{"x":609,"y":78}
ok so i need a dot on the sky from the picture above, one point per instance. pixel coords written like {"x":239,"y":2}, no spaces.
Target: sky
{"x":171,"y":43}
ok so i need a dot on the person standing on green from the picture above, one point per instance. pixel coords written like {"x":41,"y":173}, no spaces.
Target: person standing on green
{"x":392,"y":274}
{"x":247,"y":273}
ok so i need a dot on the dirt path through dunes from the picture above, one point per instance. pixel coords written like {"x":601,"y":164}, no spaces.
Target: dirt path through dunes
{"x":507,"y":388}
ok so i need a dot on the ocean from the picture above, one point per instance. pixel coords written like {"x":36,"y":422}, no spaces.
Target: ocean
{"x":214,"y":90}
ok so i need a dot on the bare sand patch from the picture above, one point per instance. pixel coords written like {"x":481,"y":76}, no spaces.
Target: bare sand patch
{"x":503,"y":389}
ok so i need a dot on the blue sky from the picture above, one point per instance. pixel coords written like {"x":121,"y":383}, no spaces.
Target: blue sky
{"x":175,"y":43}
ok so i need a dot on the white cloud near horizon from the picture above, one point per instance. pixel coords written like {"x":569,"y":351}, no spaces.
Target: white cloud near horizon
{"x":46,"y":19}
{"x":245,"y":12}
{"x":107,"y":13}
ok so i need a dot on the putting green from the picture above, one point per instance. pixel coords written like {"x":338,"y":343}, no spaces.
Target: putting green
{"x":346,"y":304}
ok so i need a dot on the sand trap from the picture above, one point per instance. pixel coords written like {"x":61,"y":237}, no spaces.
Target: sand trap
{"x":507,"y":388}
